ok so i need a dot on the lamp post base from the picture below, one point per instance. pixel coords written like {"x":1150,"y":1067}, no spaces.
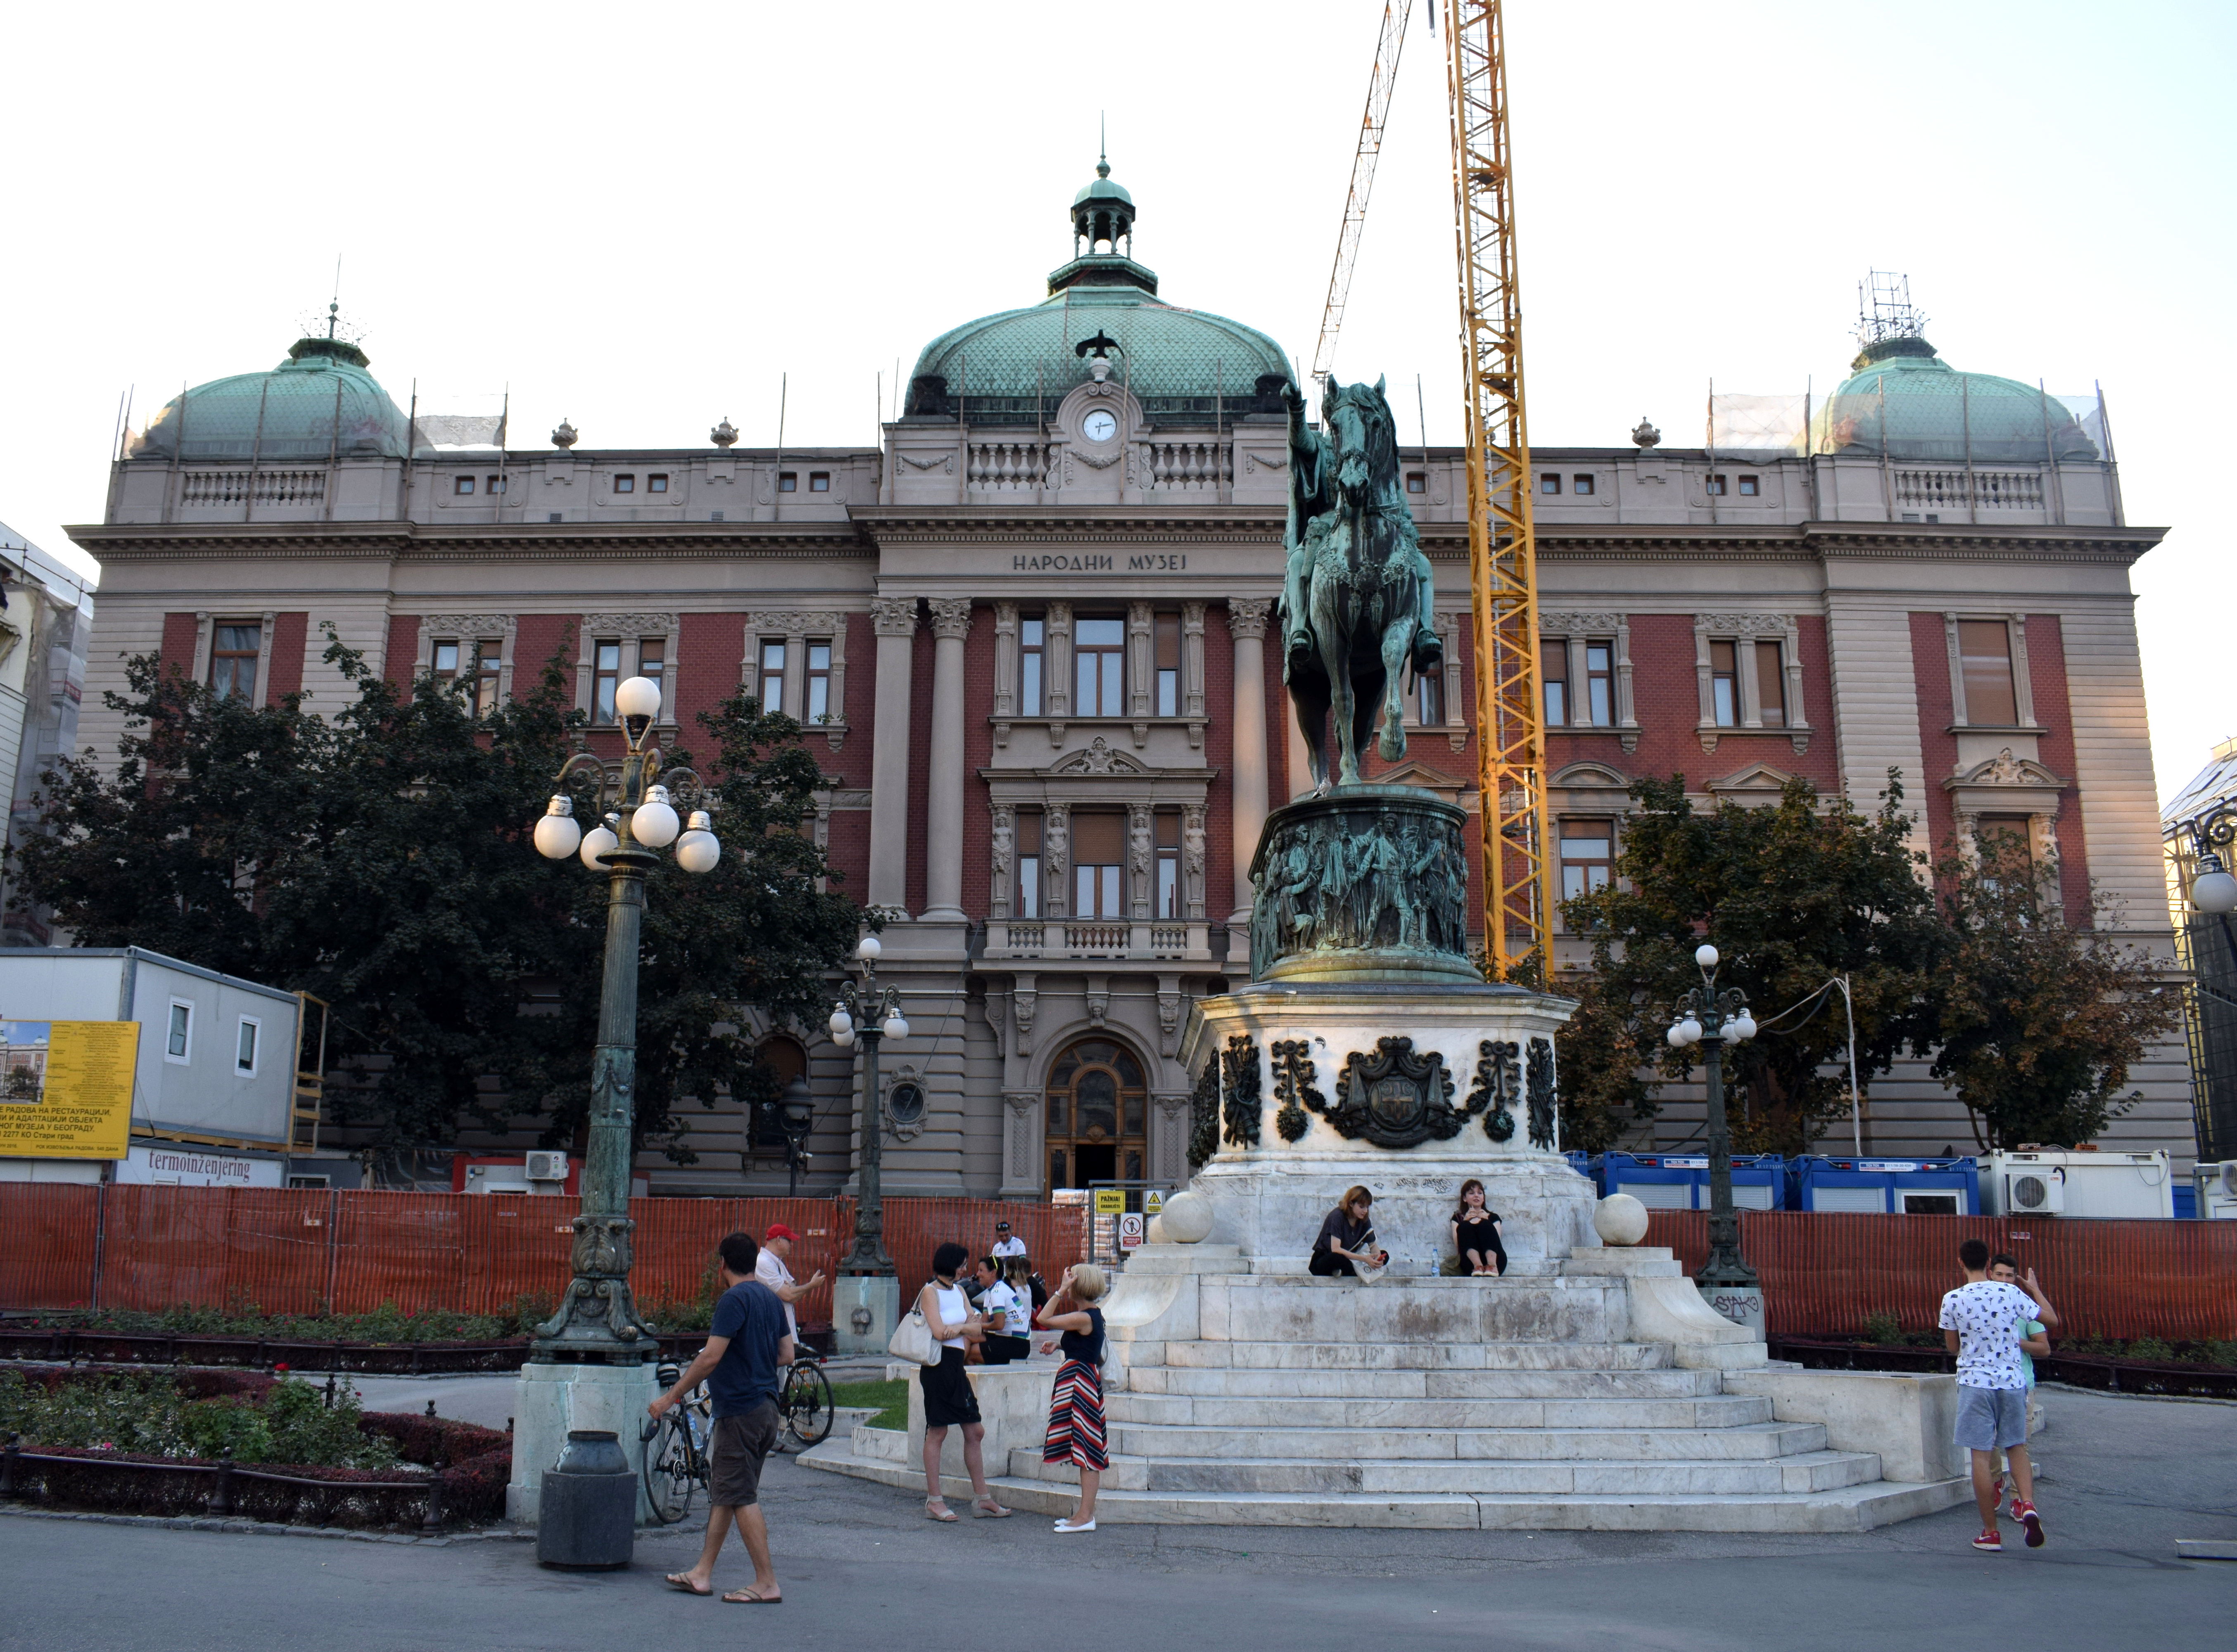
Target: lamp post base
{"x":1739,"y":1300}
{"x":549,"y":1399}
{"x":865,"y":1307}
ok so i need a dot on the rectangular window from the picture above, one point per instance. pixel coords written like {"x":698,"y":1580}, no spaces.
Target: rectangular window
{"x":446,"y":660}
{"x":1581,"y":486}
{"x":1028,"y":903}
{"x":1549,"y":482}
{"x":233,"y":661}
{"x":625,"y":484}
{"x":493,"y":484}
{"x":652,"y":663}
{"x":1587,"y":861}
{"x":179,"y":1041}
{"x":819,"y":480}
{"x":244,"y":1052}
{"x":1169,"y":865}
{"x":1031,"y":634}
{"x":772,"y":676}
{"x":462,"y":485}
{"x":1098,"y":853}
{"x":1600,"y":683}
{"x":1553,"y":666}
{"x":1417,"y":482}
{"x":819,"y":682}
{"x":788,"y":480}
{"x":605,"y":677}
{"x":1168,"y":637}
{"x":1430,"y":698}
{"x":1716,"y":485}
{"x":656,"y":482}
{"x":1100,"y":668}
{"x":1770,"y":685}
{"x":489,"y":659}
{"x":1750,"y":487}
{"x":1725,"y":683}
{"x":1985,"y":649}
{"x":2005,"y":843}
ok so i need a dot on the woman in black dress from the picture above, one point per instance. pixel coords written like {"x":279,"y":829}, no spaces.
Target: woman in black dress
{"x":948,"y":1400}
{"x":1475,"y":1232}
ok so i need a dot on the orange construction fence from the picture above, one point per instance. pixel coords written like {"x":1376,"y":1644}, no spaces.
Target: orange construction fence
{"x":313,"y":1250}
{"x":1827,"y":1272}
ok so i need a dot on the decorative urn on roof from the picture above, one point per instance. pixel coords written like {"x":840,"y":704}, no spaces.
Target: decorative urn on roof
{"x":725,"y":433}
{"x":564,"y":437}
{"x":1644,"y":434}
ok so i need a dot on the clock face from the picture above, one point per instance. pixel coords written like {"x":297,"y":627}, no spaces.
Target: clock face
{"x":1100,"y":426}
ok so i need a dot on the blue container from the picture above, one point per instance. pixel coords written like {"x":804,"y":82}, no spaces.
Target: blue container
{"x":1680,"y":1182}
{"x":1582,"y":1164}
{"x":2186,"y":1201}
{"x":1885,"y":1187}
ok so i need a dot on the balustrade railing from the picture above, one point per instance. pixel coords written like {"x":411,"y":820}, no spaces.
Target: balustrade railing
{"x":999,"y":467}
{"x":261,"y":487}
{"x":1186,"y":467}
{"x":1038,"y":937}
{"x":1990,"y":490}
{"x":1095,"y":938}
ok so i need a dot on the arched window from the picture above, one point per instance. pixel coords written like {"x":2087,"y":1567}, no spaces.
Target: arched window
{"x":786,"y":1060}
{"x":1098,"y":1109}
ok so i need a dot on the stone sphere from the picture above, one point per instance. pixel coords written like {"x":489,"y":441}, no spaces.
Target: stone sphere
{"x":1153,"y":1232}
{"x":1620,"y":1220}
{"x":1186,"y":1219}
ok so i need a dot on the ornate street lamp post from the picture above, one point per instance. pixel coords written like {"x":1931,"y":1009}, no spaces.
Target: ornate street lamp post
{"x":597,"y":1320}
{"x":867,"y":1292}
{"x":1709,"y":1019}
{"x":796,"y":1118}
{"x":2213,"y":890}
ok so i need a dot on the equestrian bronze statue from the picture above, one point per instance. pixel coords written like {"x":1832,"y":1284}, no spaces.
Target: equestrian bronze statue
{"x":1356,"y":602}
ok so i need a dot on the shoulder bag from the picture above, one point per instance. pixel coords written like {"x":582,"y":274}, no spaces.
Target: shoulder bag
{"x":913,"y":1339}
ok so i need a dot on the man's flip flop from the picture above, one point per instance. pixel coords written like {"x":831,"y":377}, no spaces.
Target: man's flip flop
{"x":679,"y":1580}
{"x":749,"y":1596}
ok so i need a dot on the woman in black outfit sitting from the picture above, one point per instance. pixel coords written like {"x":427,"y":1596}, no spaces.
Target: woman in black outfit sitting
{"x":1475,"y":1232}
{"x":1344,"y":1238}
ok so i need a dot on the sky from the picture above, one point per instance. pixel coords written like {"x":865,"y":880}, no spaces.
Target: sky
{"x":646,"y":219}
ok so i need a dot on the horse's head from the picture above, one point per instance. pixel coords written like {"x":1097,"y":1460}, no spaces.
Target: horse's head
{"x":1357,"y":419}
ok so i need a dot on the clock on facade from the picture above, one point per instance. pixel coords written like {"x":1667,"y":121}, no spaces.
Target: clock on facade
{"x":1099,"y":426}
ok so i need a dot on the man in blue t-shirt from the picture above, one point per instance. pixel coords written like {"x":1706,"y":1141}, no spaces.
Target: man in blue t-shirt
{"x":747,"y":1347}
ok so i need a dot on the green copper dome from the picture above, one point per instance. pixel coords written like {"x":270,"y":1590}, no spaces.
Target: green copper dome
{"x":1013,"y":367}
{"x":320,"y":400}
{"x":1903,"y":399}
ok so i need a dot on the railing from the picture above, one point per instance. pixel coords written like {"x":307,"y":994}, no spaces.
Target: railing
{"x":258,"y":487}
{"x":1185,"y":467}
{"x":1035,"y":937}
{"x":1991,"y":490}
{"x":1169,"y":937}
{"x":1095,"y":938}
{"x":998,"y":467}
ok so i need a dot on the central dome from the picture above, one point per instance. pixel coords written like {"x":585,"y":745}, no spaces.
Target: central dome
{"x":1903,"y":398}
{"x":320,"y":400}
{"x":1012,"y":367}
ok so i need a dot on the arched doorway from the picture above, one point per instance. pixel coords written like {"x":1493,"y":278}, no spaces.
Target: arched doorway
{"x":1098,"y":1108}
{"x":786,"y":1060}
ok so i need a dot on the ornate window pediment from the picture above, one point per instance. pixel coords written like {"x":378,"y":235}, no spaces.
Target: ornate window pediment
{"x":1097,"y":757}
{"x":2005,"y":769}
{"x":1759,"y":781}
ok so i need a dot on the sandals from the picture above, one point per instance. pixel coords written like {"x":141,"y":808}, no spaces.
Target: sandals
{"x":987,"y":1509}
{"x":682,"y":1580}
{"x":937,"y":1508}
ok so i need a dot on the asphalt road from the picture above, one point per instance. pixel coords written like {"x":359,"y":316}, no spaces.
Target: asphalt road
{"x":2126,"y":1477}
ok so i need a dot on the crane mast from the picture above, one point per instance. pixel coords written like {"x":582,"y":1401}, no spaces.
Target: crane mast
{"x":1502,"y":554}
{"x":1388,"y":45}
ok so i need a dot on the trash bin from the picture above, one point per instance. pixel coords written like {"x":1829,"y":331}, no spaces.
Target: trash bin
{"x":587,"y":1517}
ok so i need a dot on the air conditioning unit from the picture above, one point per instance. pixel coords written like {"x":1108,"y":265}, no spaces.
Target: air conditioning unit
{"x":2217,"y":1190}
{"x":547,"y":1167}
{"x":2034,"y":1192}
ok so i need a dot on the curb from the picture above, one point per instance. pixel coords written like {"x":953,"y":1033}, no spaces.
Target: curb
{"x":273,"y":1529}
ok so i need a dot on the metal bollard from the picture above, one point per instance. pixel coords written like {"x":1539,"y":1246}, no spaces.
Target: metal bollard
{"x":586,"y":1519}
{"x":221,"y":1497}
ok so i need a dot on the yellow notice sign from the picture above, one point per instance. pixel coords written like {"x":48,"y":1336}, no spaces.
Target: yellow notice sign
{"x":66,"y":1088}
{"x":1111,"y":1201}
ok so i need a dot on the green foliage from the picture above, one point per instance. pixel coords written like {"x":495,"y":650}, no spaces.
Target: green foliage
{"x":1792,"y":894}
{"x":145,"y":1412}
{"x":891,"y":1398}
{"x":2039,"y":1021}
{"x":378,"y":857}
{"x":2150,"y":1348}
{"x":1883,"y":1329}
{"x":1598,"y":1054}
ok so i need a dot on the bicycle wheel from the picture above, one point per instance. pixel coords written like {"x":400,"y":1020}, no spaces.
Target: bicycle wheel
{"x":669,"y":1477}
{"x":806,"y":1402}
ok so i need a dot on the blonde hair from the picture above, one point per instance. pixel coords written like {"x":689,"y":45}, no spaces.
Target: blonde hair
{"x":1089,"y":1283}
{"x":1018,"y":1270}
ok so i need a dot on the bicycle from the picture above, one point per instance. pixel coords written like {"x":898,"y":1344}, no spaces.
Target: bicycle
{"x":675,"y":1449}
{"x":804,"y":1401}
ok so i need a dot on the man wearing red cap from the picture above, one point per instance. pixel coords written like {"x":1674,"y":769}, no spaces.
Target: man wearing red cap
{"x":769,"y":1269}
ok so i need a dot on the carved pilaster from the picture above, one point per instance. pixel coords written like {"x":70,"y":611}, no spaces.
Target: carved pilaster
{"x":1056,"y":858}
{"x":1020,"y":1114}
{"x":1141,"y":668}
{"x":1002,"y":860}
{"x":1005,"y":670}
{"x":1056,"y":668}
{"x":1025,"y":997}
{"x":1138,"y":851}
{"x":1192,"y":857}
{"x":1171,"y":1134}
{"x":1169,"y":1019}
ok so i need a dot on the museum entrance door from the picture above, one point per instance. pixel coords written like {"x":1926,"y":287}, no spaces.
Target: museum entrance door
{"x":1098,"y":1106}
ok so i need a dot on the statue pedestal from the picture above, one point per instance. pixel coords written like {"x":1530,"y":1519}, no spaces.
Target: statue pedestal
{"x":1407,"y":1089}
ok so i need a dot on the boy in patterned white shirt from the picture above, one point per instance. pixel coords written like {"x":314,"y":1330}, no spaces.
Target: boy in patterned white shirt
{"x":1981,"y":1322}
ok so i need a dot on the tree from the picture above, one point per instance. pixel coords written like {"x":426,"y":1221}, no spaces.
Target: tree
{"x":377,"y":858}
{"x":1792,"y":894}
{"x":2039,"y":1022}
{"x":1604,"y":1094}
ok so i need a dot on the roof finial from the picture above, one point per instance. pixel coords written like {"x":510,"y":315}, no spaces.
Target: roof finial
{"x":334,"y":305}
{"x":1102,"y":145}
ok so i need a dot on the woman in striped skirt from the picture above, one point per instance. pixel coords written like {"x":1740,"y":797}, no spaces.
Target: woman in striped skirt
{"x":1075,"y":1429}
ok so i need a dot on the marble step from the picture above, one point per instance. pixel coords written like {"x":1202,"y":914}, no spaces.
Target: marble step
{"x":1418,"y":1356}
{"x":1382,"y":1386}
{"x":1801,"y":1471}
{"x":1853,"y":1508}
{"x":1260,"y":1412}
{"x":1491,"y":1419}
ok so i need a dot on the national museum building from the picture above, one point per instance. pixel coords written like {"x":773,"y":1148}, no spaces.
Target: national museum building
{"x":1029,"y":636}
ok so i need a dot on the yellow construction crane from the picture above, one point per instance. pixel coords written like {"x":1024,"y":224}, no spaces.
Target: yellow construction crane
{"x":1502,"y":553}
{"x":1388,"y":45}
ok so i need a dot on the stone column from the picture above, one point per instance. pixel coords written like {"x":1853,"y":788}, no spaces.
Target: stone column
{"x":1246,"y":619}
{"x":895,"y":621}
{"x":943,"y":832}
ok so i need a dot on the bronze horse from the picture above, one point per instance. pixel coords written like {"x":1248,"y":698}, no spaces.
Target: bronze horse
{"x":1356,"y":602}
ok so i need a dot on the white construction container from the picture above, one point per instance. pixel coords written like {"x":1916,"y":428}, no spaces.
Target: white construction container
{"x":2217,"y":1189}
{"x":2058,"y":1181}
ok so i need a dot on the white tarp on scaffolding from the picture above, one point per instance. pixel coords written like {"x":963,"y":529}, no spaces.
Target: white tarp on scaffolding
{"x":1758,"y":426}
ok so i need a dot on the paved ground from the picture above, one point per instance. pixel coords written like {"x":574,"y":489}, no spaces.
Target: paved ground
{"x":2126,"y":1479}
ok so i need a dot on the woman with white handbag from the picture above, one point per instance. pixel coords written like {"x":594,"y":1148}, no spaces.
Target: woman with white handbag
{"x":933,"y":1335}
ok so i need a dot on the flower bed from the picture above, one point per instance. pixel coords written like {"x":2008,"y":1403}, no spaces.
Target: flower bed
{"x":2209,"y":1371}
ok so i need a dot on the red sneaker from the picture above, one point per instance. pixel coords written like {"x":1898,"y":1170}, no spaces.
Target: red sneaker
{"x":1992,"y":1541}
{"x":2025,"y":1514}
{"x":1997,"y":1486}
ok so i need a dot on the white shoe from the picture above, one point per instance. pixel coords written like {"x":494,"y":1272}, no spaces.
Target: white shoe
{"x":1066,"y":1525}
